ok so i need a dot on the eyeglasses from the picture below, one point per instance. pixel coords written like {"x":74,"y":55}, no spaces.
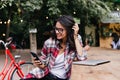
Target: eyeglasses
{"x":60,"y":30}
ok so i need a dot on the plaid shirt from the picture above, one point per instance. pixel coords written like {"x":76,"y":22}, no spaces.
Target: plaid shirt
{"x":49,"y":53}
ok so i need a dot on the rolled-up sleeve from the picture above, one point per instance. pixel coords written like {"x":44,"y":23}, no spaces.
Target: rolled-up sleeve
{"x":84,"y":52}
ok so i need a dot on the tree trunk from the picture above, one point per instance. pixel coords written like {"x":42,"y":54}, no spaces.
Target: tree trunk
{"x":82,"y":31}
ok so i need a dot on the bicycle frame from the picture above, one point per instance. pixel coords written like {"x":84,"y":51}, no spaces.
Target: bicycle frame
{"x":7,"y":70}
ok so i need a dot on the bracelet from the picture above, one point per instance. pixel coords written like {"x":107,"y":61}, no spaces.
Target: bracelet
{"x":75,"y":36}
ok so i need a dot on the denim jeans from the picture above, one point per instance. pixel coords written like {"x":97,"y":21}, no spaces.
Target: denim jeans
{"x":51,"y":77}
{"x":47,"y":77}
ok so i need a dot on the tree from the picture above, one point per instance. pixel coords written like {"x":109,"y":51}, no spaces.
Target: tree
{"x":12,"y":11}
{"x":42,"y":13}
{"x":89,"y":12}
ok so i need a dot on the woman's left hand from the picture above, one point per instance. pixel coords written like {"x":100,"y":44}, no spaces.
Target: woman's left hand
{"x":76,"y":29}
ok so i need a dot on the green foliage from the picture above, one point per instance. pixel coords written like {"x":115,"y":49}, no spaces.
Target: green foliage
{"x":28,"y":5}
{"x":31,"y":5}
{"x":86,"y":8}
{"x":42,"y":13}
{"x":90,"y":7}
{"x":52,"y":7}
{"x":5,"y":3}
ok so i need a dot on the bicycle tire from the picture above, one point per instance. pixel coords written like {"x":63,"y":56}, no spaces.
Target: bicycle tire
{"x":26,"y":67}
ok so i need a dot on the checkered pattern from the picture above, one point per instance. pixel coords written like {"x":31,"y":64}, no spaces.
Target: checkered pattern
{"x":49,"y":53}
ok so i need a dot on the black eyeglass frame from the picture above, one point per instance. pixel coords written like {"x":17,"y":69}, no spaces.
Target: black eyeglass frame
{"x":60,"y":30}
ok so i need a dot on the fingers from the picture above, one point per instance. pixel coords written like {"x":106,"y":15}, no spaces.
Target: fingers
{"x":75,"y":28}
{"x":38,"y":62}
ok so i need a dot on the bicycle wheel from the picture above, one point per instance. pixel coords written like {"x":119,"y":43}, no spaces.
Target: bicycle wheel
{"x":26,"y":68}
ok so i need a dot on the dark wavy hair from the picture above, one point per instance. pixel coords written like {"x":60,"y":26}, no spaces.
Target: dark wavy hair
{"x":67,"y":22}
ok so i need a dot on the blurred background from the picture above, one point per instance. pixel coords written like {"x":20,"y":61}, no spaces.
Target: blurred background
{"x":97,"y":19}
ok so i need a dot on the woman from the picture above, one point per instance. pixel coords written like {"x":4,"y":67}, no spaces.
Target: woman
{"x":59,"y":51}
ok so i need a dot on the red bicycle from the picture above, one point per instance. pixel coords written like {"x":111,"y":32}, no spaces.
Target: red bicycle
{"x":13,"y":70}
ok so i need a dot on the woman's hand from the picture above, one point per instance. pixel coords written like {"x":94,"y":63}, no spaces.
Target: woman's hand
{"x":38,"y":63}
{"x":76,"y":29}
{"x":87,"y":47}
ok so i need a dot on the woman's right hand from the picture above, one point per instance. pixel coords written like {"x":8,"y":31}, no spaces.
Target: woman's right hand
{"x":87,"y":47}
{"x":38,"y":63}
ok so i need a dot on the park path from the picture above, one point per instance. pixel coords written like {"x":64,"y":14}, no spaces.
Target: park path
{"x":108,"y":71}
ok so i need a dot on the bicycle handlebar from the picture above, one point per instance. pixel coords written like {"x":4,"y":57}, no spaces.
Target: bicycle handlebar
{"x":5,"y":44}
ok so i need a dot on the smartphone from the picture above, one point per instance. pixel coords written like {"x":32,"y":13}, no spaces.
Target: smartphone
{"x":35,"y":55}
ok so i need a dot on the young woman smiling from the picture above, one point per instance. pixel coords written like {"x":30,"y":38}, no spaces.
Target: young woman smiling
{"x":59,"y":51}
